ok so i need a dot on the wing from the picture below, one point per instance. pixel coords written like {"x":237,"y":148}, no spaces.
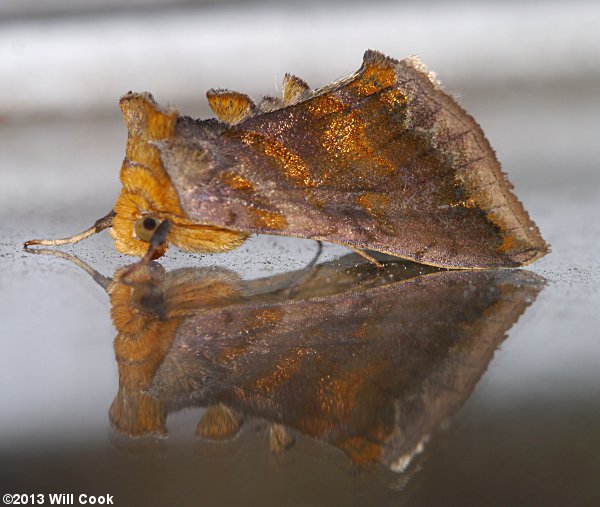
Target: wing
{"x":382,"y":160}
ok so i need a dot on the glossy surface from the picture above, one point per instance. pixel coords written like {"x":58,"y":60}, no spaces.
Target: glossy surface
{"x":367,"y":361}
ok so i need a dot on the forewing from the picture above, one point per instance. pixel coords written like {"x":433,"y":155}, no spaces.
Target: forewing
{"x":382,"y":160}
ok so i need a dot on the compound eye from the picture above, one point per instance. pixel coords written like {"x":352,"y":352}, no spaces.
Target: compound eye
{"x":145,"y":227}
{"x":148,"y":298}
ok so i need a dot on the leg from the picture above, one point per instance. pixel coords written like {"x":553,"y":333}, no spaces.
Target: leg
{"x":362,"y":253}
{"x":159,"y":237}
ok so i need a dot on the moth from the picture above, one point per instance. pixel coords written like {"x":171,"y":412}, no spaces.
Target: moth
{"x":382,"y":160}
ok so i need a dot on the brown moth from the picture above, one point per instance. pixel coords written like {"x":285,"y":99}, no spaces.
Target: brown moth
{"x":382,"y":160}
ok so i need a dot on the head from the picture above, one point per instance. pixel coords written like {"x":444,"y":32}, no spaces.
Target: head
{"x":147,"y":215}
{"x":148,"y":197}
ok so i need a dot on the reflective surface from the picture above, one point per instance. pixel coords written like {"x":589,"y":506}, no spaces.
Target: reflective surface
{"x":366,"y":361}
{"x":341,"y":356}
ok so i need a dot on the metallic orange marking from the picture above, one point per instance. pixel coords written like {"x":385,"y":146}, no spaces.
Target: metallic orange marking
{"x":236,"y":181}
{"x":373,"y":79}
{"x":346,"y":137}
{"x":285,"y":369}
{"x":268,"y":219}
{"x":324,"y":105}
{"x":393,"y":98}
{"x":374,"y":203}
{"x":267,"y":316}
{"x":338,"y":396}
{"x":465,"y":203}
{"x":508,"y":243}
{"x":293,"y":166}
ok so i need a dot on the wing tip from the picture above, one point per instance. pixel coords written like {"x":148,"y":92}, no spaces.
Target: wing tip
{"x":374,"y":57}
{"x":415,"y":62}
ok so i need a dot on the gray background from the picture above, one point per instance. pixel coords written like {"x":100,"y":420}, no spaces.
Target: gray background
{"x":528,"y":71}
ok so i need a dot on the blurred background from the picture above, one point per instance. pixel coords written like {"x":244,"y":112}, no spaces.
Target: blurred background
{"x":61,"y":58}
{"x":528,"y":71}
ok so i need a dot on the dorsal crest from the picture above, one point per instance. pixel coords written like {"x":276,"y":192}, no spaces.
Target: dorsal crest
{"x":229,"y":106}
{"x":294,"y":89}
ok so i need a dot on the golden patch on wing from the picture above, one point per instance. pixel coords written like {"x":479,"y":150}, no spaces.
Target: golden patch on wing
{"x":265,"y":317}
{"x":237,"y":182}
{"x":346,"y":137}
{"x":287,"y":367}
{"x":465,"y":203}
{"x":374,"y":203}
{"x":230,"y":107}
{"x":393,"y":98}
{"x":266,"y":219}
{"x":289,"y":162}
{"x":324,"y":105}
{"x":509,"y":242}
{"x":377,"y":73}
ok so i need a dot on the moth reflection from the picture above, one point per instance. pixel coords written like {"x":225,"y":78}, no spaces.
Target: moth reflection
{"x":367,"y":361}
